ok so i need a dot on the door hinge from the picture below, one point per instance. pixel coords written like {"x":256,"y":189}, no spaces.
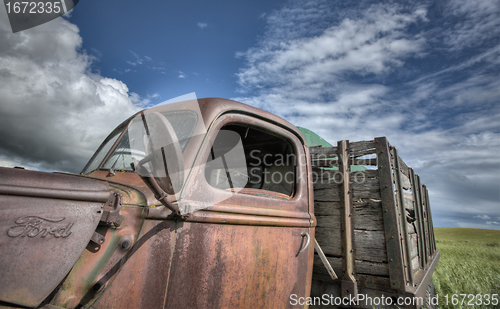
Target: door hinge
{"x":111,"y":211}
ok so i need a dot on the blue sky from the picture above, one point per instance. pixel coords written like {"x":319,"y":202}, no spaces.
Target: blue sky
{"x":423,"y":73}
{"x":168,"y":48}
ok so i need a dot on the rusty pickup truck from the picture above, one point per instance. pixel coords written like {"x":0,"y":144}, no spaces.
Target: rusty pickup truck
{"x":212,"y":203}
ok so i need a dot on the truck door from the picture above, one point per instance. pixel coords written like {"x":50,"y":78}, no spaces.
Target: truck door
{"x":253,"y":248}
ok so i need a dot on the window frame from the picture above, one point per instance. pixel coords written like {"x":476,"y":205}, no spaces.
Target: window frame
{"x":197,"y":182}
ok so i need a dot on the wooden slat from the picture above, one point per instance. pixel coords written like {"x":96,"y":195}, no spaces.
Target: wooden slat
{"x":414,"y":264}
{"x":418,"y":215}
{"x":362,"y":267}
{"x":362,"y":153}
{"x":363,"y":175}
{"x":328,"y":221}
{"x":409,"y":210}
{"x":323,"y":152}
{"x":325,"y":163}
{"x":367,"y":215}
{"x":362,"y":145}
{"x":398,"y":183}
{"x":391,"y":226}
{"x":333,"y":208}
{"x":367,"y":161}
{"x":431,"y":225}
{"x":408,"y":203}
{"x":423,"y":211}
{"x":323,"y":175}
{"x":326,"y":208}
{"x":329,"y":240}
{"x":369,"y":245}
{"x":404,"y":168}
{"x":410,"y":227}
{"x":326,"y":194}
{"x":370,"y":188}
{"x":413,"y":245}
{"x":405,"y":182}
{"x":333,"y":162}
{"x":409,"y":196}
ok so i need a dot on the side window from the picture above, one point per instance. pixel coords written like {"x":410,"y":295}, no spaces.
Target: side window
{"x":269,"y":162}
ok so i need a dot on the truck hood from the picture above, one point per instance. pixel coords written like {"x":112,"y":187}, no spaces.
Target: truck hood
{"x":46,"y":221}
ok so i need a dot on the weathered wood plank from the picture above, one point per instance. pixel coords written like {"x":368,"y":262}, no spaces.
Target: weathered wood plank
{"x":405,"y":181}
{"x":361,"y":153}
{"x":333,"y":162}
{"x":403,"y":167}
{"x":326,"y":194}
{"x":323,"y":175}
{"x":368,"y":245}
{"x":323,"y":152}
{"x":326,"y":208}
{"x":415,"y":264}
{"x":370,"y":188}
{"x":361,"y":145}
{"x":334,"y":176}
{"x":391,"y":226}
{"x":409,"y":214}
{"x":409,"y":196}
{"x":329,"y":240}
{"x":367,"y":215}
{"x":325,"y":163}
{"x":328,"y":221}
{"x":361,"y":181}
{"x":371,"y":183}
{"x":361,"y":176}
{"x":410,"y":227}
{"x":413,"y":245}
{"x":403,"y":215}
{"x":361,"y":267}
{"x":366,"y":161}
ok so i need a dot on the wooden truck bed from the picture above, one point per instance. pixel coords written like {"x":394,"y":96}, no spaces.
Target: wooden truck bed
{"x":375,"y":229}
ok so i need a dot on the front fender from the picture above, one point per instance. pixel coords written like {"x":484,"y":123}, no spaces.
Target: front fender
{"x":46,"y":221}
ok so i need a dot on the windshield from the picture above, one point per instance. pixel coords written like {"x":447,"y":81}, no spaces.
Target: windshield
{"x":183,"y":122}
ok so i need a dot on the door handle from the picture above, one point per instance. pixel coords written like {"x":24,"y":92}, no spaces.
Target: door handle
{"x":308,"y":240}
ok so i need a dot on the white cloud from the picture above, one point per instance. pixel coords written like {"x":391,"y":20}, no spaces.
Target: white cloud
{"x":476,"y":21}
{"x":484,"y":217}
{"x":138,"y":59}
{"x":202,"y":25}
{"x":493,"y":222}
{"x":337,"y":72}
{"x":303,"y":77}
{"x":54,"y":112}
{"x":372,"y":44}
{"x":15,"y":163}
{"x":182,"y":74}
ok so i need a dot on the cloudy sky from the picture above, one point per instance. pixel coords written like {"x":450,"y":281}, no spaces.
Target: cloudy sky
{"x":425,"y":74}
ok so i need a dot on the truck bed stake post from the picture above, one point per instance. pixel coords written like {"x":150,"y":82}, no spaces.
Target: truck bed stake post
{"x":349,"y":285}
{"x":401,"y":202}
{"x":390,"y":215}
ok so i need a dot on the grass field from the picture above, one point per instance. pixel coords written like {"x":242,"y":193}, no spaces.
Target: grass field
{"x":469,"y":264}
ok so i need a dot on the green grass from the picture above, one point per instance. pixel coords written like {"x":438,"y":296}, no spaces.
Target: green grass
{"x":469,"y":264}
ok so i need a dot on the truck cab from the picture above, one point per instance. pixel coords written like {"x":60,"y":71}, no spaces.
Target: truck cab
{"x":228,"y":221}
